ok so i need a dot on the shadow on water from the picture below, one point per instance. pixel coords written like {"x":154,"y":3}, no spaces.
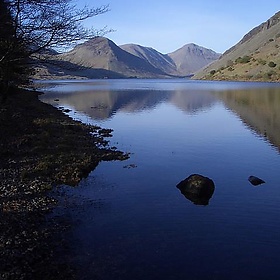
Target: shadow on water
{"x":197,"y":199}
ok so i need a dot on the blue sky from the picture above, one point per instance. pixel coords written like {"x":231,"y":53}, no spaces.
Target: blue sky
{"x":168,"y":25}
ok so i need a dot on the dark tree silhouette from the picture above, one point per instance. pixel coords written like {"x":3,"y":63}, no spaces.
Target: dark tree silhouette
{"x":14,"y":67}
{"x":28,"y":28}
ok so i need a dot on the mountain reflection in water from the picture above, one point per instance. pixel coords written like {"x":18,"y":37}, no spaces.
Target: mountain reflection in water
{"x":104,"y":104}
{"x":133,"y":223}
{"x":258,"y":109}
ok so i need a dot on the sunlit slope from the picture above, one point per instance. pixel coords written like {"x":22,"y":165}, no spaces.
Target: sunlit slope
{"x":256,"y":57}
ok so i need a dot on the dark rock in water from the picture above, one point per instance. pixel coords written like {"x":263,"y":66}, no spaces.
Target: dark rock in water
{"x":255,"y":181}
{"x":197,"y":188}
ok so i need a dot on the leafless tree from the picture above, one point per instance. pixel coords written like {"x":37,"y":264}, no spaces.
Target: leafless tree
{"x":29,"y":27}
{"x":52,"y":23}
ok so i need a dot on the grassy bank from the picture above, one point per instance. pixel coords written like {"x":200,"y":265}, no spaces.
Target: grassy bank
{"x":40,"y":147}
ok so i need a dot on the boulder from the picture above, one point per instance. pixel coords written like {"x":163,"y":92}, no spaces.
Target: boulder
{"x":255,"y":181}
{"x":197,"y":188}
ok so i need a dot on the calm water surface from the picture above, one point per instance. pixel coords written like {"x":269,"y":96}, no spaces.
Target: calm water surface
{"x":131,"y":222}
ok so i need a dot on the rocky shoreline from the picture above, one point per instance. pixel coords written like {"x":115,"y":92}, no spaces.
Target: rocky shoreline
{"x":40,"y":148}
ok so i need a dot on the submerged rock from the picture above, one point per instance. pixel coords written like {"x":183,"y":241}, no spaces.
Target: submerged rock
{"x":197,"y":188}
{"x":255,"y":181}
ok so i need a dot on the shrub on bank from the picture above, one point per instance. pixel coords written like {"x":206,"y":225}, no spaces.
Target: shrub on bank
{"x":271,"y":64}
{"x":243,"y":60}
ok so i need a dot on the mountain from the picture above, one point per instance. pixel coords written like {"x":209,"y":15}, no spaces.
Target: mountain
{"x":155,"y":58}
{"x":102,"y":53}
{"x":191,"y":58}
{"x":102,"y":58}
{"x":183,"y":62}
{"x":255,"y":57}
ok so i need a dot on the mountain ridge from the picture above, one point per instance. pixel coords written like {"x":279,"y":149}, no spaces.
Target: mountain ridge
{"x":103,"y":53}
{"x":155,"y":58}
{"x":255,"y":57}
{"x":128,"y":61}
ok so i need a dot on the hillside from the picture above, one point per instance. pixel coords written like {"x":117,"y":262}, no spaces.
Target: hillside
{"x":102,"y":58}
{"x":255,"y":57}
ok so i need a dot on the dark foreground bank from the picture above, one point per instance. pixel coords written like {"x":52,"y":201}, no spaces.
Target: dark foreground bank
{"x":40,"y":147}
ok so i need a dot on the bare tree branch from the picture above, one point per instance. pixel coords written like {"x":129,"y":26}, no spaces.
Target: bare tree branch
{"x":28,"y":27}
{"x":53,"y":23}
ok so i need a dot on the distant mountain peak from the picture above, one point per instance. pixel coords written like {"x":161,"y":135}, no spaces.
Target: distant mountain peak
{"x":192,"y":57}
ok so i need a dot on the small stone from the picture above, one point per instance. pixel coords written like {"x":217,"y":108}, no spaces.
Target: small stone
{"x":130,"y":166}
{"x":255,"y":181}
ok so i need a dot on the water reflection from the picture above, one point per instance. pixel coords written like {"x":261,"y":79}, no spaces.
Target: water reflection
{"x":197,"y":199}
{"x":101,"y":105}
{"x":156,"y":241}
{"x":258,"y":109}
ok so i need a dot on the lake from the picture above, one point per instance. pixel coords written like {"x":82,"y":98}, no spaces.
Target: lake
{"x":130,"y":220}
